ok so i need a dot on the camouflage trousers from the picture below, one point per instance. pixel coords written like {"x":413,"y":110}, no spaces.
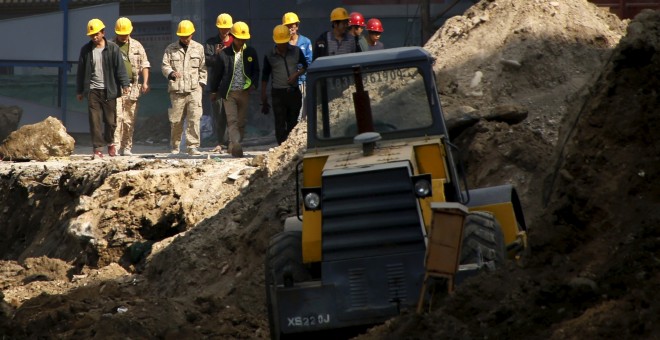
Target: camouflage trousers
{"x":186,"y":108}
{"x":127,"y":106}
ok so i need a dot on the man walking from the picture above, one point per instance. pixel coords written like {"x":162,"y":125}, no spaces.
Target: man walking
{"x":235,"y":74}
{"x":212,"y":49}
{"x":135,"y":59}
{"x":291,"y":21}
{"x":185,"y":70}
{"x":337,"y":41}
{"x":101,"y":78}
{"x":375,"y":29}
{"x":282,"y":63}
{"x":355,"y":28}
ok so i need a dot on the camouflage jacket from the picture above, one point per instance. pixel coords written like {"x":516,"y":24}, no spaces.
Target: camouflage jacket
{"x":137,"y":56}
{"x":189,"y":63}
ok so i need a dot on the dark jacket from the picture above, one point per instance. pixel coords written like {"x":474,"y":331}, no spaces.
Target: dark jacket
{"x":321,"y":45}
{"x":223,"y":71}
{"x":114,"y":70}
{"x":210,"y":55}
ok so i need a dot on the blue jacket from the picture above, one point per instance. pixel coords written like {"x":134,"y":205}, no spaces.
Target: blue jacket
{"x":306,"y":47}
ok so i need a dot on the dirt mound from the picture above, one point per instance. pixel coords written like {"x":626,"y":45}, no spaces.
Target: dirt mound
{"x":535,"y":54}
{"x":594,"y":269}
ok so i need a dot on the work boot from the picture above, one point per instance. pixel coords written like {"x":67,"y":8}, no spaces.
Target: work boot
{"x":236,"y":150}
{"x":193,"y":152}
{"x":97,"y":154}
{"x":125,"y":152}
{"x":174,"y":151}
{"x":112,"y":150}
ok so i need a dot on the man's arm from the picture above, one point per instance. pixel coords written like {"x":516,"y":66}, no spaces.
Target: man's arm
{"x":80,"y":75}
{"x":145,"y":68}
{"x":209,"y":52}
{"x":202,"y":73}
{"x":218,"y":71}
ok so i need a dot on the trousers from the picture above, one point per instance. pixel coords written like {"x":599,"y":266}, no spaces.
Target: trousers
{"x":102,"y":118}
{"x":186,"y":108}
{"x":127,"y":106}
{"x":286,"y":108}
{"x":236,"y":107}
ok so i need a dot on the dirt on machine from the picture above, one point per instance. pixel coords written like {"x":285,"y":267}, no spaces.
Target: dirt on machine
{"x":383,"y":203}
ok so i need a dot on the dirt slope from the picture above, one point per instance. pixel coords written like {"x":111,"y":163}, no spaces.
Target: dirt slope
{"x":594,"y":266}
{"x":594,"y":245}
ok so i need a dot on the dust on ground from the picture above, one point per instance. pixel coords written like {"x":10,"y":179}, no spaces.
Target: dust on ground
{"x":174,"y":248}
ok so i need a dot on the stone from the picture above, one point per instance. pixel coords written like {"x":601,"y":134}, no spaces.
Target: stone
{"x":39,"y":142}
{"x":508,"y":113}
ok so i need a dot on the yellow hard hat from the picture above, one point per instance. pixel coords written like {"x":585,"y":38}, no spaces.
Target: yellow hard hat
{"x":290,"y":18}
{"x":123,"y":26}
{"x":224,"y":21}
{"x":185,"y":28}
{"x":339,"y":14}
{"x":281,"y":34}
{"x":240,"y":30}
{"x":94,"y":26}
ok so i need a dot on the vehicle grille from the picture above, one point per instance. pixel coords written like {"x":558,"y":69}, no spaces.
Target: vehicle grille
{"x":369,"y":212}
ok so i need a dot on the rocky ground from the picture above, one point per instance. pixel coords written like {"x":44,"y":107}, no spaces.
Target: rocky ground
{"x":146,"y":247}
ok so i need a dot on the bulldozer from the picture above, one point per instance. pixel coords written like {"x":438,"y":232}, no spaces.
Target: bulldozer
{"x":378,"y":163}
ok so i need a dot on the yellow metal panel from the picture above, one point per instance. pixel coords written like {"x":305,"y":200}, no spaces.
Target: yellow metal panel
{"x":438,"y":196}
{"x":504,"y":214}
{"x":311,"y":236}
{"x":431,"y":160}
{"x":312,"y":169}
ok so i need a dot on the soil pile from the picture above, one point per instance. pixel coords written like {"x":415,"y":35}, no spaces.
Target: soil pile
{"x":593,"y":265}
{"x":594,"y":268}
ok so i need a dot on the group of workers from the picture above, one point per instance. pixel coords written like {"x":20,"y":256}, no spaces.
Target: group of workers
{"x":113,"y":74}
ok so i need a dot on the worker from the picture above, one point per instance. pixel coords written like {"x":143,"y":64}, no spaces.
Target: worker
{"x":281,"y":65}
{"x":235,"y":75}
{"x":185,"y":69}
{"x":374,"y":31}
{"x":101,"y":78}
{"x":355,"y":27}
{"x":137,"y":64}
{"x":213,"y":47}
{"x":291,"y":21}
{"x":336,"y":41}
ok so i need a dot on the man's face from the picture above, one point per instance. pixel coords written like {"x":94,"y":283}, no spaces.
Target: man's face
{"x":122,"y":38}
{"x":238,"y":43}
{"x":293,"y":29}
{"x":375,"y":36}
{"x":223,"y":32}
{"x":97,"y":37}
{"x":342,"y":25}
{"x":186,"y":40}
{"x":357,"y":30}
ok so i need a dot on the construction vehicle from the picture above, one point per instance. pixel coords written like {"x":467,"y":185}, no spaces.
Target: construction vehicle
{"x":378,"y":158}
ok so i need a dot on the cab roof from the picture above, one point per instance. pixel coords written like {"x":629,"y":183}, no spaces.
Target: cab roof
{"x":365,"y":59}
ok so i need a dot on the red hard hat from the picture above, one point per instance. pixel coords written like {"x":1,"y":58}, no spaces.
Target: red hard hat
{"x":374,"y":25}
{"x":356,"y":19}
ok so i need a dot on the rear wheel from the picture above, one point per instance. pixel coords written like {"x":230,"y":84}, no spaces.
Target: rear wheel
{"x":483,"y":241}
{"x":283,"y":267}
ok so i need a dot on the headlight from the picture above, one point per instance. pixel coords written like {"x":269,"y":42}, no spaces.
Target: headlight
{"x":311,"y":198}
{"x":312,"y":201}
{"x":422,"y":185}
